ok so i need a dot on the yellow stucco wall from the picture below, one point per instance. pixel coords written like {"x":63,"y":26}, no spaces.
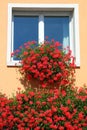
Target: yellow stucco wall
{"x":9,"y":77}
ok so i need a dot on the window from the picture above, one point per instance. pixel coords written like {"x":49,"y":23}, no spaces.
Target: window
{"x":57,"y":27}
{"x":27,"y":22}
{"x":25,"y":29}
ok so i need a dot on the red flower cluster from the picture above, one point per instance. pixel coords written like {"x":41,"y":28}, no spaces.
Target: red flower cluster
{"x":6,"y":116}
{"x":44,"y":110}
{"x":46,"y":63}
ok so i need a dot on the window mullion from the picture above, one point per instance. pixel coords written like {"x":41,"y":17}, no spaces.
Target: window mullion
{"x":41,"y":29}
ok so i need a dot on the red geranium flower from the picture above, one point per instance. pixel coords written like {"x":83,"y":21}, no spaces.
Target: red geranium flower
{"x":46,"y":63}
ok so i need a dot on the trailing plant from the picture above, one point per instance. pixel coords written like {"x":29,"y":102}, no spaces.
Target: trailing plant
{"x":48,"y":63}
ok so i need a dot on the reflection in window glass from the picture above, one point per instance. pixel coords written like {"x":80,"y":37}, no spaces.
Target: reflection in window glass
{"x":25,"y":29}
{"x":57,"y":28}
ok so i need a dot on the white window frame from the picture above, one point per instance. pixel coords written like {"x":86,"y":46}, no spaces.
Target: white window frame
{"x":73,"y":25}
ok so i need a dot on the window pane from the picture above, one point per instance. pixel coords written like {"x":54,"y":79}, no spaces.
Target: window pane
{"x":57,"y":28}
{"x":25,"y":29}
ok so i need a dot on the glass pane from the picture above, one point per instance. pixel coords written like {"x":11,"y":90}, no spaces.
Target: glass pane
{"x":25,"y":29}
{"x":57,"y":28}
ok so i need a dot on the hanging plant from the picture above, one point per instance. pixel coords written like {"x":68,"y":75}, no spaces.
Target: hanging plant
{"x":48,"y":63}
